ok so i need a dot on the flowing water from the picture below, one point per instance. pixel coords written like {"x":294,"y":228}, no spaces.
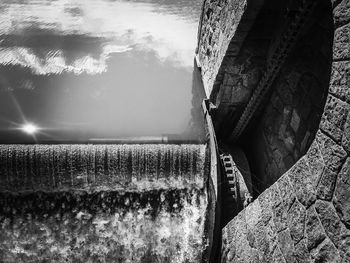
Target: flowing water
{"x":100,"y":167}
{"x":102,"y":203}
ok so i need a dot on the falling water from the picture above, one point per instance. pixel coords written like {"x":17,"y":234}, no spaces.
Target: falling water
{"x":100,"y":167}
{"x":102,"y":203}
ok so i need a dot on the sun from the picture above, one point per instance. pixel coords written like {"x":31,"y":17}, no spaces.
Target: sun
{"x":29,"y":128}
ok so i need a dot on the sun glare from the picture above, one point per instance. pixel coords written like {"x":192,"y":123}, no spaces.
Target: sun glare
{"x":29,"y":128}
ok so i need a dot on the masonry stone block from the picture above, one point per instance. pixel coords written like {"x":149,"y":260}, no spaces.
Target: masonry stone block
{"x":341,"y":49}
{"x":315,"y":162}
{"x":334,"y":117}
{"x":326,"y":184}
{"x":341,"y":13}
{"x":302,"y":181}
{"x":278,"y":256}
{"x":275,"y":195}
{"x":286,"y":245}
{"x":287,"y":192}
{"x":346,"y":135}
{"x":342,"y":194}
{"x":261,"y":241}
{"x":301,"y":253}
{"x":340,"y":80}
{"x":313,"y":229}
{"x":253,"y":214}
{"x":231,"y":254}
{"x":280,"y":217}
{"x":296,"y":221}
{"x":251,"y":238}
{"x":266,"y":206}
{"x":326,"y":252}
{"x":332,"y":153}
{"x":334,"y":228}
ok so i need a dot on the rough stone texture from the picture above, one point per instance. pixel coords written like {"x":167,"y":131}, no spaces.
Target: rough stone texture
{"x":340,"y":80}
{"x":335,"y":229}
{"x":286,"y":244}
{"x":332,"y":153}
{"x":296,"y":221}
{"x":303,"y":182}
{"x":304,"y":216}
{"x":315,"y":162}
{"x":278,"y":256}
{"x":341,"y":43}
{"x":314,"y":232}
{"x":346,"y":135}
{"x":326,"y":184}
{"x":219,"y":24}
{"x":301,"y":253}
{"x":334,"y":117}
{"x":326,"y":252}
{"x":342,"y":194}
{"x":342,"y":13}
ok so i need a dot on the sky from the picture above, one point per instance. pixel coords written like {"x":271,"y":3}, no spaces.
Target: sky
{"x":86,"y":69}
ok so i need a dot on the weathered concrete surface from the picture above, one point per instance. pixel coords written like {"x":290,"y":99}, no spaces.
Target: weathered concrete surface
{"x":305,"y":215}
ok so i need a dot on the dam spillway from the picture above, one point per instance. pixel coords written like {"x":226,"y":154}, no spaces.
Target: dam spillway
{"x":126,"y":167}
{"x":103,"y":203}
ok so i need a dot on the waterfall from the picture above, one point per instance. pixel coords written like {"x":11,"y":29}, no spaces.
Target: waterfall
{"x":103,"y":203}
{"x":125,"y":167}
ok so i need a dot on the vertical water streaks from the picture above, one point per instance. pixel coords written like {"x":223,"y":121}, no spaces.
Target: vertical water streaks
{"x":122,"y":166}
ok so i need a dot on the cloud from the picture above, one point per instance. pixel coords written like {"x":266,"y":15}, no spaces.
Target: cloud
{"x":55,"y":62}
{"x":124,"y":24}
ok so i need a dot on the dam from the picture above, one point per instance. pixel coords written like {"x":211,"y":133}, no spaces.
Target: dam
{"x":259,"y":174}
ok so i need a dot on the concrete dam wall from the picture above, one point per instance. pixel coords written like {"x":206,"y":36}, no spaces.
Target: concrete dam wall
{"x":277,"y":75}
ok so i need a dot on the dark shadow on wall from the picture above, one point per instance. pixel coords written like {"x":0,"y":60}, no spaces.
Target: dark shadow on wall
{"x":282,"y":131}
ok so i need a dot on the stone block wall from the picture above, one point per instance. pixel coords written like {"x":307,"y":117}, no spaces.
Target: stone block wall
{"x":288,"y":124}
{"x":305,"y":215}
{"x":221,"y":21}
